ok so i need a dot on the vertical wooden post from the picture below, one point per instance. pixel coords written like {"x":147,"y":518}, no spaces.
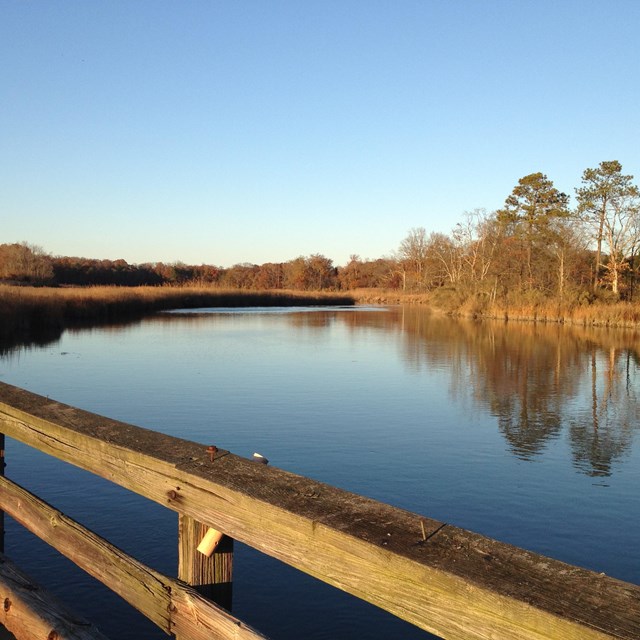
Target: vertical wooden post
{"x":212,"y":577}
{"x":1,"y":474}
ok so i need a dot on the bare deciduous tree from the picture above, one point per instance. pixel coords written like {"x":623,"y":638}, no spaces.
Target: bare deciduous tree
{"x":23,"y":261}
{"x":412,"y":255}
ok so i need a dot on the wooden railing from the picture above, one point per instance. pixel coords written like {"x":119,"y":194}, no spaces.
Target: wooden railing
{"x":443,"y":579}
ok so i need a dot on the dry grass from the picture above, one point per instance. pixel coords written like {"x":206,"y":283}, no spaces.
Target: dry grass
{"x":27,"y":309}
{"x":614,"y":315}
{"x":23,"y":309}
{"x":598,"y":314}
{"x":389,"y":296}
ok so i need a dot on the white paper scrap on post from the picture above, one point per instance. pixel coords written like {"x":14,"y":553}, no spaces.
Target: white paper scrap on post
{"x":210,"y":542}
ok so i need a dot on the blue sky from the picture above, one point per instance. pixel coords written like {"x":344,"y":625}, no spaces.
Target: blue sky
{"x":261,"y":130}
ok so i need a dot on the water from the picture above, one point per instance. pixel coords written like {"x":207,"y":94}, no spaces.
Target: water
{"x":524,"y":433}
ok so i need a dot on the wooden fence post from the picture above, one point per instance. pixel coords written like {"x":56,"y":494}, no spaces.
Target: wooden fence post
{"x":1,"y":474}
{"x":211,"y":577}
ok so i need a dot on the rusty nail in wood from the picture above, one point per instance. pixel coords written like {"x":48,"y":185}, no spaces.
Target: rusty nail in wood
{"x":212,"y":452}
{"x":53,"y":635}
{"x":172,"y":494}
{"x":171,"y":608}
{"x":7,"y":604}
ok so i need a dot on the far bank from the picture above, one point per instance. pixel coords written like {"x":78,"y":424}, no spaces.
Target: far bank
{"x":42,"y":313}
{"x":597,"y":314}
{"x":25,"y":310}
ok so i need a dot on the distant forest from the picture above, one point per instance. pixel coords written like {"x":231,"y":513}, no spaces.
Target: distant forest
{"x":535,"y":248}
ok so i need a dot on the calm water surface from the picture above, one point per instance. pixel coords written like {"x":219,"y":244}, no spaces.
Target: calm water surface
{"x":525,"y":433}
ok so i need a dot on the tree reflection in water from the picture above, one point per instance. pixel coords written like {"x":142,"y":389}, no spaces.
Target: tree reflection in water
{"x":600,"y":436}
{"x":538,"y":380}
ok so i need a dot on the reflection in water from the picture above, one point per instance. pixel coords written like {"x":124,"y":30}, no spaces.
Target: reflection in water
{"x":533,"y":378}
{"x":12,"y":343}
{"x":399,"y":404}
{"x":41,"y":335}
{"x":536,"y":379}
{"x":602,"y":435}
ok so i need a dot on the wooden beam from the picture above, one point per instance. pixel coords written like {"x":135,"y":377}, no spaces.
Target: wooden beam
{"x":446,"y":580}
{"x":30,"y":613}
{"x":170,"y":604}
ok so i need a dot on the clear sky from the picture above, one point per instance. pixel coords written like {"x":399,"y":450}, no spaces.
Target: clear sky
{"x":260,"y":130}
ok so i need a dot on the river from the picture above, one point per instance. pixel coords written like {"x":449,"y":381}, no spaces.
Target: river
{"x":523,"y":432}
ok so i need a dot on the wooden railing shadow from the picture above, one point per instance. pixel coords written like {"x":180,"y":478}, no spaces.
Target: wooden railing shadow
{"x":446,"y":580}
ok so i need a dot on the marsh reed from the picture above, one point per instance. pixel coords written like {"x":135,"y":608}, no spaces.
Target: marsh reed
{"x":25,"y":309}
{"x":595,"y":314}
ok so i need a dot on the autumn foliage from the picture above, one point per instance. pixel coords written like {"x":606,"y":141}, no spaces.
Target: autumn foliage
{"x":536,"y":252}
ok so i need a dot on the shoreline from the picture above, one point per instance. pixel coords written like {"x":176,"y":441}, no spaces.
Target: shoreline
{"x":40,"y":314}
{"x":619,"y":315}
{"x":44,"y":311}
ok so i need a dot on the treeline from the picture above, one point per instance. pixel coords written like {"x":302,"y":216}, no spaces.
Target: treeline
{"x":25,"y":263}
{"x":535,"y":249}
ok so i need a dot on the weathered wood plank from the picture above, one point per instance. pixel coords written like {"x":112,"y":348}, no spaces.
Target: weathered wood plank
{"x":31,"y":613}
{"x":169,"y":603}
{"x":141,"y":587}
{"x":454,"y":583}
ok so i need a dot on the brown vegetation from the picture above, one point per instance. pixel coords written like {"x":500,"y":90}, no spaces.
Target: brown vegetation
{"x":533,"y":259}
{"x":596,"y":314}
{"x":35,"y":309}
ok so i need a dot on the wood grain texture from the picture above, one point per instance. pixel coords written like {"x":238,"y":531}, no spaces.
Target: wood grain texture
{"x":31,"y":613}
{"x":2,"y":466}
{"x":169,"y":603}
{"x":452,"y":582}
{"x":210,"y":576}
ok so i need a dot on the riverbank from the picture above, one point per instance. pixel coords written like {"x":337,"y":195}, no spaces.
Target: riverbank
{"x":597,"y":314}
{"x":45,"y":312}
